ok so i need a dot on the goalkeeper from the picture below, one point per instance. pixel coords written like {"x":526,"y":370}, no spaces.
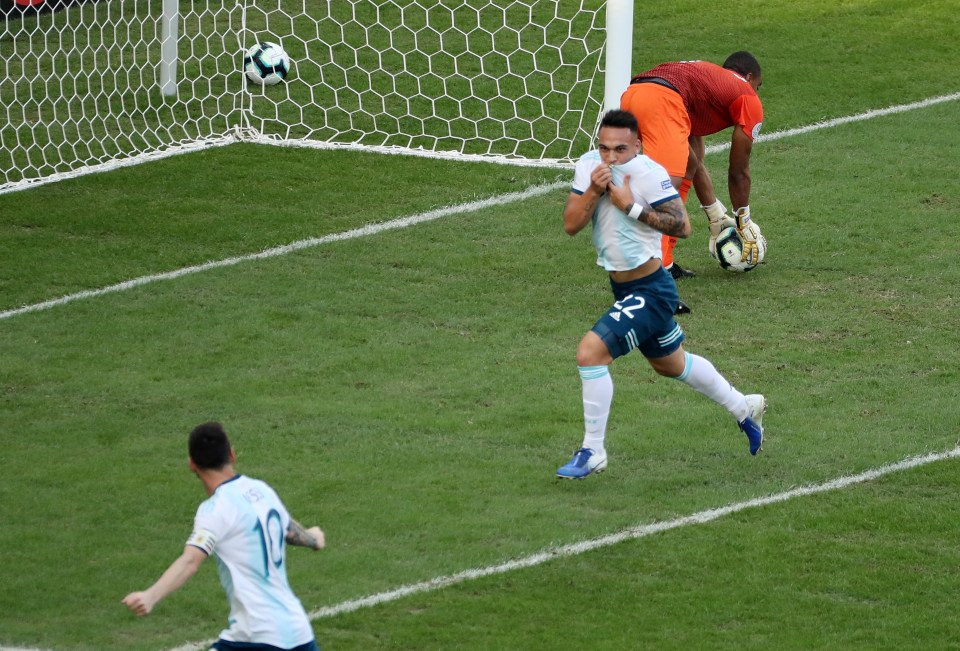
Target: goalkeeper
{"x":678,"y":103}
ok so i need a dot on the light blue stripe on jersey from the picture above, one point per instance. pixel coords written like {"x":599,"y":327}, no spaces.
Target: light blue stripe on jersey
{"x":250,"y":520}
{"x":593,"y":372}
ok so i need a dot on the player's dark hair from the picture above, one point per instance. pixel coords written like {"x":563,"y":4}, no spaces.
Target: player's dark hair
{"x":618,"y":119}
{"x":209,"y":446}
{"x":743,"y":63}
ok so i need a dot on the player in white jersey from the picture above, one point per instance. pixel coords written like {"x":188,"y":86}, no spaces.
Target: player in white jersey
{"x":245,"y":525}
{"x":630,"y":201}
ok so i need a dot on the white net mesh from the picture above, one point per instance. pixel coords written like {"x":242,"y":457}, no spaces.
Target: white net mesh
{"x":514,"y":79}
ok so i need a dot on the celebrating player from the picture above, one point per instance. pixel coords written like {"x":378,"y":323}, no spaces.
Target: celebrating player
{"x":245,"y":525}
{"x":678,"y":103}
{"x":630,"y":201}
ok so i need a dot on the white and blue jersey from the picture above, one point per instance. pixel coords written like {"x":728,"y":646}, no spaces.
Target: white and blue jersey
{"x":642,"y":316}
{"x":244,"y":524}
{"x":624,"y":243}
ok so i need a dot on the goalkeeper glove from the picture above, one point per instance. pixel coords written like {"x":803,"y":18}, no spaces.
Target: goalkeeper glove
{"x":749,"y":235}
{"x":719,"y":220}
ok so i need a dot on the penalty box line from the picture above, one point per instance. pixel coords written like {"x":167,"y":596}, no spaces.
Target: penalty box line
{"x":633,"y":533}
{"x":404,"y":222}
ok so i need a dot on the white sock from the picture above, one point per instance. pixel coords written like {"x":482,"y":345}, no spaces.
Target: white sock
{"x":597,"y":397}
{"x":700,"y":374}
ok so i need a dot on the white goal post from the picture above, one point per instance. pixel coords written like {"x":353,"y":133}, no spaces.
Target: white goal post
{"x":101,"y":84}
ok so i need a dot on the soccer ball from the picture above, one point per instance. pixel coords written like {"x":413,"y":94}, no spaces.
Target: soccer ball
{"x":728,"y":249}
{"x":266,"y":64}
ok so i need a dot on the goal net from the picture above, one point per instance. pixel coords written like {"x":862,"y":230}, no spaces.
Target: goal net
{"x":98,"y":85}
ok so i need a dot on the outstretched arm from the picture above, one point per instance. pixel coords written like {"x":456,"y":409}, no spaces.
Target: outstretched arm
{"x":179,"y":572}
{"x":301,"y":537}
{"x":697,"y":170}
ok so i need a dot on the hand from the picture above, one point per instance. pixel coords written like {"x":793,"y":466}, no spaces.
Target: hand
{"x":719,"y":220}
{"x":139,"y":603}
{"x":600,"y":178}
{"x":749,"y":234}
{"x":621,"y":195}
{"x":318,"y":536}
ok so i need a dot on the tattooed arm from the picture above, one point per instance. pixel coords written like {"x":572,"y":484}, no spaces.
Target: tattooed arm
{"x":669,"y":217}
{"x":297,"y":535}
{"x":580,"y":207}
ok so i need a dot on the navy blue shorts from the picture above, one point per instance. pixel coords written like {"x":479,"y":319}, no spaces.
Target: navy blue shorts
{"x":642,"y":317}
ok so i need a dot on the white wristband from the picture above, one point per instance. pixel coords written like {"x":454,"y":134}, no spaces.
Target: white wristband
{"x":715,"y":211}
{"x":635,"y":211}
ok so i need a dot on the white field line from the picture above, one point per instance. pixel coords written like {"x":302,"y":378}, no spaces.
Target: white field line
{"x":430,"y":216}
{"x":138,"y":159}
{"x":634,"y":533}
{"x":836,"y":122}
{"x":370,"y":229}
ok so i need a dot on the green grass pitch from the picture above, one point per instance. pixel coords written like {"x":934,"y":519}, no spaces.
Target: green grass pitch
{"x":413,"y":391}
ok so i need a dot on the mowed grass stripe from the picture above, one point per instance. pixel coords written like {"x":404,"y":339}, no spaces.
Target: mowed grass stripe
{"x":432,"y":215}
{"x":370,"y":229}
{"x":633,"y":533}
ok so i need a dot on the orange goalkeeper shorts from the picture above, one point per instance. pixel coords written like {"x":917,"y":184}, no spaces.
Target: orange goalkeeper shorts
{"x":664,"y":124}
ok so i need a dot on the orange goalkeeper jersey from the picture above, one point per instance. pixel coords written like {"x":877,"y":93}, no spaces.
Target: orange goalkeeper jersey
{"x":716,"y":98}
